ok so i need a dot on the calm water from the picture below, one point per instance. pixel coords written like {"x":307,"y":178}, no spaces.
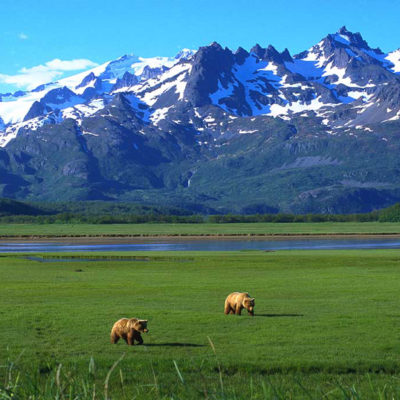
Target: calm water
{"x":208,"y":244}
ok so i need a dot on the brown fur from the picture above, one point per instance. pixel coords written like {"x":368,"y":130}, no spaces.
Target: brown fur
{"x":129,"y":329}
{"x":236,"y":301}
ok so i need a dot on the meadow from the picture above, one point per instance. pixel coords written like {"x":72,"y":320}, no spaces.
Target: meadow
{"x":203,"y":229}
{"x":327,"y":325}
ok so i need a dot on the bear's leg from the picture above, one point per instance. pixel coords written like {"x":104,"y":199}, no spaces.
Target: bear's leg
{"x":138,"y":338}
{"x":227,"y":308}
{"x":114,"y":338}
{"x":129,"y":339}
{"x":238,"y":310}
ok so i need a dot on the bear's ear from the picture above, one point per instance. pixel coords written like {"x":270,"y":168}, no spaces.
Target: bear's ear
{"x":252,"y":299}
{"x":143,"y":320}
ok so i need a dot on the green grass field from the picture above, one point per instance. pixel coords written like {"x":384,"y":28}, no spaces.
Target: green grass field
{"x":37,"y":230}
{"x":327,"y":325}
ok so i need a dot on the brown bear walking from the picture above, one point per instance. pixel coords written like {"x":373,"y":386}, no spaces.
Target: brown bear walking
{"x":236,"y":301}
{"x":129,"y":330}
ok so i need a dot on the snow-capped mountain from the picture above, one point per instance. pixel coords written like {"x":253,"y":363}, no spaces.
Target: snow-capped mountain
{"x":205,"y":125}
{"x":79,"y":95}
{"x":341,"y":70}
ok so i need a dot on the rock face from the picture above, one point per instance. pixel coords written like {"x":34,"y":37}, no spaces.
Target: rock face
{"x":214,"y":131}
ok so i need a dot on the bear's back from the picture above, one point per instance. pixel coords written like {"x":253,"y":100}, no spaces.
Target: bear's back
{"x":237,"y":297}
{"x":124,"y":324}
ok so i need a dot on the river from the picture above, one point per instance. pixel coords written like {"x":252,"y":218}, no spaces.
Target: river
{"x":205,"y":244}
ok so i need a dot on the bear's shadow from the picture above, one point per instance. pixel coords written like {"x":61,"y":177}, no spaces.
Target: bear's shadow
{"x":174,"y":344}
{"x":278,"y":315}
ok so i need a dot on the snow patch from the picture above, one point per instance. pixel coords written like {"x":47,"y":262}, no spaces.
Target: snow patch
{"x":394,"y":58}
{"x":159,"y":114}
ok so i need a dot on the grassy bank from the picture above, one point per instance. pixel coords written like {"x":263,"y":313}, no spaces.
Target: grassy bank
{"x":326,"y":325}
{"x":321,"y":228}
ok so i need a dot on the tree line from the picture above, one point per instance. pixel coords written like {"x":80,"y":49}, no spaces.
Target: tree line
{"x":12,"y":211}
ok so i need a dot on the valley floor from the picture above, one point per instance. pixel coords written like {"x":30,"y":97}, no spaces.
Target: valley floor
{"x":326,"y":325}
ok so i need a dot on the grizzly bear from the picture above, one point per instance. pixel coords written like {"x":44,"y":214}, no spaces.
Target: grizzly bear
{"x":236,"y":301}
{"x":129,"y":329}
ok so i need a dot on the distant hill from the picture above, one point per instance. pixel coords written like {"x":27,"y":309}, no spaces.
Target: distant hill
{"x":12,"y":207}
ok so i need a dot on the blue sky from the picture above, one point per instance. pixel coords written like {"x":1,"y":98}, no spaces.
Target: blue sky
{"x":48,"y":38}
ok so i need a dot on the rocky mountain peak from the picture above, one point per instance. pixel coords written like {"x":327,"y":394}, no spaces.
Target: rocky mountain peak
{"x":348,"y":38}
{"x":241,"y":54}
{"x":86,"y":80}
{"x":185,"y":54}
{"x":257,"y":50}
{"x":271,"y":54}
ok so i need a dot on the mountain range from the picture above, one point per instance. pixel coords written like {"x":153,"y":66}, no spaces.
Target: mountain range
{"x":214,"y":130}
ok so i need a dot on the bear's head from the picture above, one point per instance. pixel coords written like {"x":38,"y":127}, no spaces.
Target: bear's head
{"x":249,"y":304}
{"x":140,"y":325}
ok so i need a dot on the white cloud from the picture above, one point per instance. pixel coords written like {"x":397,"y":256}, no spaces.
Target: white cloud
{"x":29,"y":78}
{"x":71,"y":65}
{"x":22,"y":36}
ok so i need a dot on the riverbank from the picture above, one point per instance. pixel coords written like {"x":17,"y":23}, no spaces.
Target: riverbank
{"x":111,"y":239}
{"x":197,"y":231}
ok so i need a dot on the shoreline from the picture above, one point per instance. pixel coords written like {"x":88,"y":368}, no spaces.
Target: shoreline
{"x":138,"y":238}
